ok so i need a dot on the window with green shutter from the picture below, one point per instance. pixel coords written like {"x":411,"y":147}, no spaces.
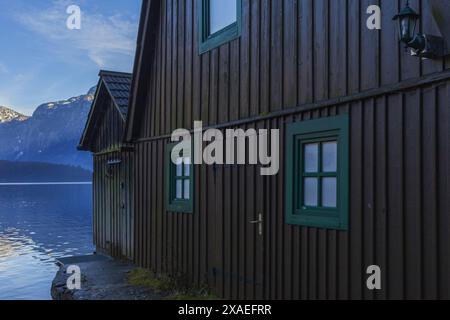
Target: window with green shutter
{"x":317,"y":170}
{"x":179,"y":183}
{"x":219,"y":22}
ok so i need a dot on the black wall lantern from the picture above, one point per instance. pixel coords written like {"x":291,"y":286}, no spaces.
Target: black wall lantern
{"x":425,"y":46}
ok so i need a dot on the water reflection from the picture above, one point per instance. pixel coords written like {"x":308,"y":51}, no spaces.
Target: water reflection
{"x":37,"y":225}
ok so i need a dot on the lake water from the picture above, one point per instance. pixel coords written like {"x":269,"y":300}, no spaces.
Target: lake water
{"x":39,"y":223}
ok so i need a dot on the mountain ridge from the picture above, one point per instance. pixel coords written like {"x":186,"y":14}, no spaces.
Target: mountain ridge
{"x":7,"y":114}
{"x":50,"y":135}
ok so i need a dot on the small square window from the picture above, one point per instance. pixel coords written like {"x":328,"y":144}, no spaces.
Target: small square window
{"x":317,"y":173}
{"x":219,"y":23}
{"x":179,"y":183}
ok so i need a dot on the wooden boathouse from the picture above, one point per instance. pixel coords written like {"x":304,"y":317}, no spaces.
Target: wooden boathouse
{"x":113,"y":166}
{"x":364,"y":147}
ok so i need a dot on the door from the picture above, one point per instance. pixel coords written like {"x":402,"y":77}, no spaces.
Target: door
{"x":114,"y":214}
{"x":126,"y":226}
{"x":239,"y":218}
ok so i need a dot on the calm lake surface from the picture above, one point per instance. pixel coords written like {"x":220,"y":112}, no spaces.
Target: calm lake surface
{"x":39,"y":223}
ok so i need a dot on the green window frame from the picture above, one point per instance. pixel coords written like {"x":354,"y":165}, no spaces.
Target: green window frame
{"x":179,"y":186}
{"x":208,"y":40}
{"x":311,"y":177}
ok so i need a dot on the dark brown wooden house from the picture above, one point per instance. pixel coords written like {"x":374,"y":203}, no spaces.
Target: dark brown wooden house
{"x":364,"y":146}
{"x":113,"y":166}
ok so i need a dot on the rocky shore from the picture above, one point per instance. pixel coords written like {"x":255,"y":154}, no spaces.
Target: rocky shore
{"x":101,"y":279}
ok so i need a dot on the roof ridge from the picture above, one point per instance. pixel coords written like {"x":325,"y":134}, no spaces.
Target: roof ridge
{"x":108,"y":72}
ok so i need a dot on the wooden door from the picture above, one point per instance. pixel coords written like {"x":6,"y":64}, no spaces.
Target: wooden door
{"x":238,"y":222}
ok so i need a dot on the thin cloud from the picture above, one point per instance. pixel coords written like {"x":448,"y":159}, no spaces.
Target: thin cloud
{"x":105,"y":40}
{"x":3,"y":69}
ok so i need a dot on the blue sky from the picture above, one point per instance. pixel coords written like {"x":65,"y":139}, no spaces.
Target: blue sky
{"x":41,"y":60}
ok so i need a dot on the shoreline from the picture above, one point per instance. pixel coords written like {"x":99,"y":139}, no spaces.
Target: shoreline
{"x":43,"y":183}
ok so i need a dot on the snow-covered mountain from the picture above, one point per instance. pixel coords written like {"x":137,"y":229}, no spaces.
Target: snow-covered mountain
{"x":8,"y":115}
{"x":50,"y":135}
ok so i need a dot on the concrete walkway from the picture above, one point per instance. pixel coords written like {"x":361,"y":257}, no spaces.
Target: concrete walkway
{"x":102,"y":279}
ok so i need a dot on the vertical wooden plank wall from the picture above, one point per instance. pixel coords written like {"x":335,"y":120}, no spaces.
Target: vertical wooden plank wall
{"x":399,"y":175}
{"x":113,"y":188}
{"x":292,"y":53}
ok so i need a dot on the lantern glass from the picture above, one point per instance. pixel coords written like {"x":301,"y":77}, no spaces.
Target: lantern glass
{"x":407,"y":22}
{"x":405,"y":29}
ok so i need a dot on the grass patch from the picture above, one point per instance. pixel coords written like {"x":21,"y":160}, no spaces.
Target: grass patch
{"x":172,"y":288}
{"x":187,"y":297}
{"x":147,"y":278}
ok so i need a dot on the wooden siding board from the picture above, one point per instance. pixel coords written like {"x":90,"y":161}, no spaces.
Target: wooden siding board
{"x":443,"y":96}
{"x":234,"y":105}
{"x":277,"y":60}
{"x":227,"y":231}
{"x":259,"y":238}
{"x":321,"y":49}
{"x":369,"y":50}
{"x":218,"y":215}
{"x":265,"y":66}
{"x":430,"y":195}
{"x":368,"y":203}
{"x":338,"y":48}
{"x":285,"y":230}
{"x":174,"y":60}
{"x":356,"y":205}
{"x":306,"y":57}
{"x":290,"y":55}
{"x":224,"y":84}
{"x":380,"y":158}
{"x":412,"y":198}
{"x":181,"y":64}
{"x":396,"y":256}
{"x":255,"y":53}
{"x":343,"y":264}
{"x":163,"y":106}
{"x":196,"y":69}
{"x":236,"y":244}
{"x":203,"y":189}
{"x":389,"y":44}
{"x":354,"y":38}
{"x":274,"y":249}
{"x":244,"y":107}
{"x":189,"y":63}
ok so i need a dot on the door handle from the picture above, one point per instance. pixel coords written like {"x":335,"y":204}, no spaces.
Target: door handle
{"x":259,"y":222}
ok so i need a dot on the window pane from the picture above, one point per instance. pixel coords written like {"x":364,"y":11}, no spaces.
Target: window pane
{"x":311,"y":192}
{"x":179,"y":189}
{"x":187,"y":167}
{"x":329,"y":157}
{"x":312,"y":158}
{"x":187,"y":186}
{"x":329,"y":193}
{"x":179,"y":166}
{"x":222,"y":14}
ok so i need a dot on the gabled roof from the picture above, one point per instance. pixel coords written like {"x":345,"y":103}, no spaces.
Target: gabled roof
{"x":112,"y":85}
{"x":118,"y":85}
